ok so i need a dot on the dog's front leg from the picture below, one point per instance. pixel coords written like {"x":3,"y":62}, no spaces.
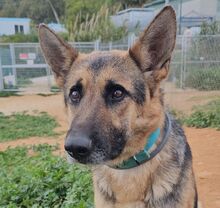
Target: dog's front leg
{"x":101,"y":202}
{"x":104,"y":197}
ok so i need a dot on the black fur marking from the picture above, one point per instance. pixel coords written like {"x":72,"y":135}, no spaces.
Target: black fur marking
{"x":175,"y":196}
{"x":152,"y":85}
{"x":196,"y":199}
{"x":176,"y":127}
{"x":65,"y":99}
{"x":111,"y":142}
{"x":139,"y":96}
{"x":66,"y":94}
{"x":111,"y":198}
{"x":99,"y":63}
{"x":161,"y":96}
{"x":188,"y":155}
{"x":117,"y":140}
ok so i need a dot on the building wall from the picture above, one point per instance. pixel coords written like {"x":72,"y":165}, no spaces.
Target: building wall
{"x":7,"y":25}
{"x":218,"y":11}
{"x":133,"y":19}
{"x":203,"y":7}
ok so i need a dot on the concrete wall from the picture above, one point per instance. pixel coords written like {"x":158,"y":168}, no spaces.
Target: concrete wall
{"x":7,"y":25}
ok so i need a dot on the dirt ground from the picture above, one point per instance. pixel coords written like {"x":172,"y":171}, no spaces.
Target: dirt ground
{"x":205,"y":143}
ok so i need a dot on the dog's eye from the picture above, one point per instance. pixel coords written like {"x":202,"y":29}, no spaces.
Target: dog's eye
{"x":75,"y":96}
{"x":76,"y":93}
{"x":118,"y":94}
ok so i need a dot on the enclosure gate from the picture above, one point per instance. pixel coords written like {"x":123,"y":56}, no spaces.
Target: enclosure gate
{"x":23,"y":68}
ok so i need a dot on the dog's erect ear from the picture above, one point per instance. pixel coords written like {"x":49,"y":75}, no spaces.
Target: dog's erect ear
{"x":152,"y":51}
{"x":58,"y":54}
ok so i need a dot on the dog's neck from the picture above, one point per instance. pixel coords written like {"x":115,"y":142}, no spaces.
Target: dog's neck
{"x":146,"y":154}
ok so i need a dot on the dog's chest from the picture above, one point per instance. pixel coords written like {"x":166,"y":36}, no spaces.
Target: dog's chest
{"x":120,"y":188}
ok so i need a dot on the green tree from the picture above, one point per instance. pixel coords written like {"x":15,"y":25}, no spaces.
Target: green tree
{"x":8,"y":8}
{"x":82,"y":10}
{"x":99,"y":26}
{"x":39,"y":11}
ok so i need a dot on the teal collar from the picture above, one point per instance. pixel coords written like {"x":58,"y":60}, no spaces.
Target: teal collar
{"x":144,"y":155}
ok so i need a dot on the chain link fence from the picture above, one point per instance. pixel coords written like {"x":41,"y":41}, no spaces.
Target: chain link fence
{"x":194,"y":77}
{"x":195,"y":65}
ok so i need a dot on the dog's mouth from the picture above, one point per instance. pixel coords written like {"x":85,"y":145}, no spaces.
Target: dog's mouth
{"x":72,"y":160}
{"x":98,"y":156}
{"x":69,"y":158}
{"x":93,"y":159}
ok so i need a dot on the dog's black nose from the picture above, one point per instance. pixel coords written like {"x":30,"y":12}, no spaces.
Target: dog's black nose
{"x":78,"y":147}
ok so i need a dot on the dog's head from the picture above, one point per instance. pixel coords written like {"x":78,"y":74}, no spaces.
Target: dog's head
{"x":113,"y":98}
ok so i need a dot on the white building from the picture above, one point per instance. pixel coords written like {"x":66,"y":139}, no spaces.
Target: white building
{"x":210,"y":8}
{"x":190,"y":13}
{"x":11,"y":26}
{"x":133,"y":18}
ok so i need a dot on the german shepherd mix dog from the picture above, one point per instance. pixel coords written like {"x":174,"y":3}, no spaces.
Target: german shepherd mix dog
{"x":139,"y":154}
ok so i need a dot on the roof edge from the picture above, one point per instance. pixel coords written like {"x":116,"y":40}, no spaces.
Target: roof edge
{"x":134,"y":9}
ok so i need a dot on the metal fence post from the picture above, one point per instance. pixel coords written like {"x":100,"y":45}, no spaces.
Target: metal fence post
{"x":48,"y":77}
{"x":185,"y":60}
{"x":13,"y":62}
{"x":110,"y":46}
{"x":182,"y":62}
{"x":1,"y":75}
{"x":131,"y":39}
{"x":97,"y":42}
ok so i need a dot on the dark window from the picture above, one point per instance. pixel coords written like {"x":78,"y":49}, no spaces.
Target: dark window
{"x":16,"y":28}
{"x":21,"y":29}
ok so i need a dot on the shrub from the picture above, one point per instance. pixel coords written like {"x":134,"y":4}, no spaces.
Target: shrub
{"x":205,"y":116}
{"x":203,"y":79}
{"x":26,"y":38}
{"x":19,"y":38}
{"x":42,"y":180}
{"x":8,"y":93}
